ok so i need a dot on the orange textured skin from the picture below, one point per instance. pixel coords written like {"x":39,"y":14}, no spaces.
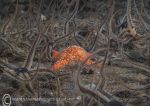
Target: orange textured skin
{"x":69,"y":55}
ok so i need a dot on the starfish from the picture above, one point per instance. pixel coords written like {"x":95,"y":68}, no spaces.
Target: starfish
{"x":68,"y":55}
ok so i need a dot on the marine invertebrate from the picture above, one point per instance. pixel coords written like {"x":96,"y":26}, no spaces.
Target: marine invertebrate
{"x":70,"y":55}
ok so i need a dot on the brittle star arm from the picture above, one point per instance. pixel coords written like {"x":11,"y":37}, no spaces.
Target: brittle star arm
{"x":129,"y":14}
{"x":103,"y":97}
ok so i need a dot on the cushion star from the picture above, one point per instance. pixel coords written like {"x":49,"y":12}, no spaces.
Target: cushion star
{"x":68,"y":55}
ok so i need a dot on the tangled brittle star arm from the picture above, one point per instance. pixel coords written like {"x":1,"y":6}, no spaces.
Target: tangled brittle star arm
{"x":129,"y":18}
{"x":7,"y":43}
{"x":9,"y":21}
{"x":66,"y":29}
{"x":31,"y":54}
{"x":104,"y":98}
{"x":141,"y":18}
{"x":10,"y":66}
{"x":29,"y":61}
{"x":130,"y":28}
{"x":143,"y":11}
{"x":138,"y":67}
{"x":10,"y":70}
{"x":100,"y":83}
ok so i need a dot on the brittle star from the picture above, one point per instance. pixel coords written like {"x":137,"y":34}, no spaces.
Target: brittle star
{"x":71,"y":54}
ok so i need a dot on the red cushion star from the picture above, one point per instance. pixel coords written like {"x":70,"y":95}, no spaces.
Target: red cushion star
{"x":69,"y":55}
